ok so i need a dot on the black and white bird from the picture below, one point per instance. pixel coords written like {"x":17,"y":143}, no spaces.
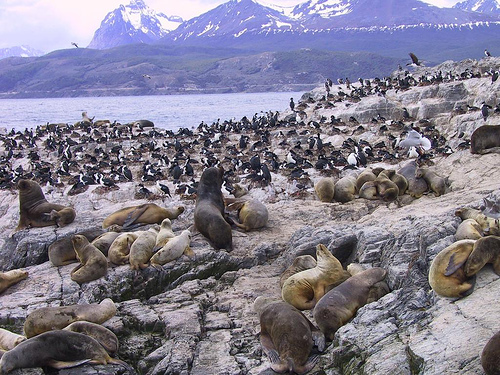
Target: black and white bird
{"x":487,"y":53}
{"x":485,"y":110}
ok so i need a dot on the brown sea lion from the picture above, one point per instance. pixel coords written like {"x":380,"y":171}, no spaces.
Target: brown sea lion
{"x":399,"y":180}
{"x":104,"y":241}
{"x":345,"y":189}
{"x":304,"y":289}
{"x":58,"y":349}
{"x":105,"y":336}
{"x":49,"y":318}
{"x":416,"y":185}
{"x":9,"y":278}
{"x":369,"y":190}
{"x":119,"y":251}
{"x":489,"y":225}
{"x":252,"y":213}
{"x":365,"y":176}
{"x":94,"y":264}
{"x":36,"y":211}
{"x":485,"y":139}
{"x":340,"y":304}
{"x":61,"y":251}
{"x":377,"y":290}
{"x":485,"y":250}
{"x":209,"y":215}
{"x":141,"y":250}
{"x":436,"y":183}
{"x":239,"y":191}
{"x":325,"y":189}
{"x":148,"y":213}
{"x":9,"y":340}
{"x":387,"y":190}
{"x":490,"y":356}
{"x":300,"y":263}
{"x":469,"y":229}
{"x":447,"y":275}
{"x":164,"y":234}
{"x":287,"y":336}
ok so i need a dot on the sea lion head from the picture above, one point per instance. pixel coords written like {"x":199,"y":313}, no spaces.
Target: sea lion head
{"x":212,"y":176}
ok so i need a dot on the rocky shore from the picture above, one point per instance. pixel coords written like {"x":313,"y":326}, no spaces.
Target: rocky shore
{"x":195,"y":316}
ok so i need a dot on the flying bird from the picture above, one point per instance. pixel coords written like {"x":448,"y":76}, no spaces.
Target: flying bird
{"x":414,"y":59}
{"x":146,"y":76}
{"x":415,"y":139}
{"x":74,"y":44}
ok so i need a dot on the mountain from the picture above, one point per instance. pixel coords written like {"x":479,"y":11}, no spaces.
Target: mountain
{"x":20,"y":51}
{"x":134,"y":23}
{"x":491,"y":7}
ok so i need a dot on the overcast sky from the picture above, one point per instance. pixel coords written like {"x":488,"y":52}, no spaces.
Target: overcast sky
{"x":48,"y":25}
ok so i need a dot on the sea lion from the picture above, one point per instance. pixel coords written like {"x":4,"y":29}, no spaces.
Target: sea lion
{"x":36,"y":211}
{"x":387,"y":190}
{"x":300,"y":263}
{"x":105,"y":336}
{"x":436,"y":183}
{"x":485,"y":139}
{"x":141,"y":250}
{"x":340,"y":304}
{"x":287,"y":336}
{"x":119,"y":251}
{"x":447,"y":275}
{"x":325,"y":189}
{"x":399,"y":180}
{"x":164,"y":234}
{"x":369,"y":190}
{"x":9,"y":278}
{"x":61,"y":251}
{"x":239,"y":191}
{"x":252,"y":213}
{"x":49,"y":318}
{"x":209,"y":215}
{"x":365,"y":176}
{"x":148,"y":213}
{"x":485,"y":250}
{"x":490,"y":225}
{"x":173,"y":249}
{"x":304,"y":289}
{"x":58,"y":349}
{"x":104,"y":241}
{"x":345,"y":189}
{"x":94,"y":264}
{"x":469,"y":229}
{"x":490,"y":356}
{"x":377,"y":290}
{"x":416,"y":185}
{"x":8,"y":339}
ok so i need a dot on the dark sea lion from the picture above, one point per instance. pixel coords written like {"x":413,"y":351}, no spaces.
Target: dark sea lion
{"x":148,"y":213}
{"x":325,"y":189}
{"x":209,"y":215}
{"x":9,"y":278}
{"x":104,"y":241}
{"x":36,"y":211}
{"x":49,"y":318}
{"x":94,"y":263}
{"x":416,"y":185}
{"x":340,"y":304}
{"x":58,"y":349}
{"x":447,"y":275}
{"x":490,"y":356}
{"x":485,"y":139}
{"x":304,"y":289}
{"x":102,"y":334}
{"x":485,"y":250}
{"x":252,"y":213}
{"x":61,"y":251}
{"x":287,"y":336}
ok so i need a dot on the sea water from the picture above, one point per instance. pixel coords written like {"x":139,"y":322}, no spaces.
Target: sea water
{"x":165,"y":111}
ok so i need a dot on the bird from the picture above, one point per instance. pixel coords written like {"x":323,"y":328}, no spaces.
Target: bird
{"x":414,"y":59}
{"x":146,"y":76}
{"x":415,"y":139}
{"x":74,"y":44}
{"x":485,"y":110}
{"x":292,"y":104}
{"x":163,"y":188}
{"x":487,"y":53}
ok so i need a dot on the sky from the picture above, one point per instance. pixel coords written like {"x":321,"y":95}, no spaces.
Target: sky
{"x":48,"y":25}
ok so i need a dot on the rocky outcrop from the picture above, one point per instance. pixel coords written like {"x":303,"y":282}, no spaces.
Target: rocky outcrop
{"x":195,"y":316}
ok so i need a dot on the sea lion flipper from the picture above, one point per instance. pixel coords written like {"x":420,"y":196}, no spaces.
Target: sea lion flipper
{"x":61,"y":364}
{"x":456,"y":261}
{"x":308,"y":366}
{"x":134,"y":215}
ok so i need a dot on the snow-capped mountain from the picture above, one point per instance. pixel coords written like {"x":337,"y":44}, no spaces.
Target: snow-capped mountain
{"x":20,"y":51}
{"x":133,"y":23}
{"x":482,"y":6}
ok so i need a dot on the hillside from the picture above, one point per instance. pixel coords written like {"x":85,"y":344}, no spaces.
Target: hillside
{"x":195,"y":316}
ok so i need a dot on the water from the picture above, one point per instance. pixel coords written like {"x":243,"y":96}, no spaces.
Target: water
{"x":166,"y":111}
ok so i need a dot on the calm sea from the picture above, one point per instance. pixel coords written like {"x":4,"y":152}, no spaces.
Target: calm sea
{"x":166,"y":111}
